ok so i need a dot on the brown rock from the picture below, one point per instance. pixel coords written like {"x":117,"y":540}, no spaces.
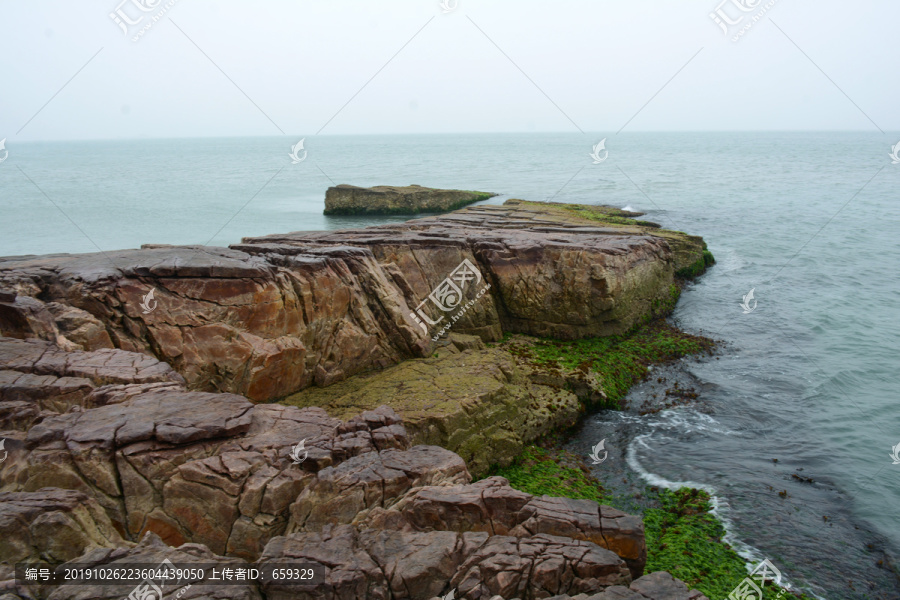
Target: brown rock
{"x":80,"y":327}
{"x":387,"y":199}
{"x":491,"y":505}
{"x":348,"y":491}
{"x":52,"y":525}
{"x":397,"y":564}
{"x":281,"y":313}
{"x":150,"y":552}
{"x":662,"y":586}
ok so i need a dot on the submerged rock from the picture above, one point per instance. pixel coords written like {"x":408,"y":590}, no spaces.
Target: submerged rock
{"x":347,"y":199}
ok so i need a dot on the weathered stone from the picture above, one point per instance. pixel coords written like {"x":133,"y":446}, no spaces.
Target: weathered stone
{"x":347,"y":199}
{"x":214,"y":469}
{"x":653,"y":586}
{"x":662,"y":586}
{"x":80,"y":327}
{"x":281,"y":313}
{"x":397,"y":564}
{"x":491,"y":505}
{"x":52,"y":525}
{"x":346,"y":492}
{"x":104,"y":366}
{"x":484,"y":404}
{"x":542,"y":565}
{"x":152,"y":551}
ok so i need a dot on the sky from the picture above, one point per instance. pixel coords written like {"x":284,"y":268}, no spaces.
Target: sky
{"x":313,"y":67}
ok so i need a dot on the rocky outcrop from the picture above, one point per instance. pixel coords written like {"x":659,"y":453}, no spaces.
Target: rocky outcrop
{"x":150,"y":553}
{"x":52,"y":525}
{"x":484,"y":404}
{"x":491,"y":505}
{"x":393,"y":564}
{"x":201,"y":467}
{"x":39,"y":379}
{"x":278,"y":314}
{"x":379,"y":565}
{"x":231,"y":483}
{"x":396,"y":200}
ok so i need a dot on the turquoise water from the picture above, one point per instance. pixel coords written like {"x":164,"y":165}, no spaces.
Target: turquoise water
{"x":810,"y":377}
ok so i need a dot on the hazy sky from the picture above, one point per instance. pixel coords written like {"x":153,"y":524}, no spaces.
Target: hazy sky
{"x":228,"y":68}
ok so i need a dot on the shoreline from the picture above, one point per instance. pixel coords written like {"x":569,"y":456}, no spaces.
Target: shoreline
{"x":532,"y":388}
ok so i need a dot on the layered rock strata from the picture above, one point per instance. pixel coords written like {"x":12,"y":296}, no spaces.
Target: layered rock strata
{"x":278,"y":314}
{"x":484,"y":403}
{"x":211,"y":478}
{"x":347,"y":199}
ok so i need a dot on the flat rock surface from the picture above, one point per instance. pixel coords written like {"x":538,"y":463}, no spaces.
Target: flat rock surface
{"x":280,"y":313}
{"x":389,"y":199}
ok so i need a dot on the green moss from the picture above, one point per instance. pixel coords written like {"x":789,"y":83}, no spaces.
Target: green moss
{"x":605,"y":214}
{"x":682,"y":535}
{"x":685,"y":539}
{"x":400,"y":210}
{"x":552,"y":472}
{"x":706,"y":260}
{"x":620,"y":360}
{"x":661,"y":307}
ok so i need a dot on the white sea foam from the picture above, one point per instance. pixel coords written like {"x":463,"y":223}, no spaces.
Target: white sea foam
{"x":685,"y":421}
{"x":720,"y":507}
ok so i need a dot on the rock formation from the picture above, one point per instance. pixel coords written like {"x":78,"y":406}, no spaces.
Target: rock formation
{"x":131,"y":408}
{"x":135,"y":456}
{"x":278,"y":314}
{"x":396,"y":200}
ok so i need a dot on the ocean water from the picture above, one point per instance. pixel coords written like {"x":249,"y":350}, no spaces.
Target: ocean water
{"x":809,"y":221}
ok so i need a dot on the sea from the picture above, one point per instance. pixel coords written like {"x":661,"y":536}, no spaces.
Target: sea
{"x":797,"y":417}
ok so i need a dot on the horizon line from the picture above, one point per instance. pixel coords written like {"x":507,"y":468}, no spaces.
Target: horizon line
{"x":436,"y":133}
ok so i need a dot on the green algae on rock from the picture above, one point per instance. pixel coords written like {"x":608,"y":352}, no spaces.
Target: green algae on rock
{"x":683,"y":537}
{"x":479,"y":402}
{"x":691,"y":254}
{"x":551,"y":472}
{"x":347,"y":199}
{"x":486,"y":403}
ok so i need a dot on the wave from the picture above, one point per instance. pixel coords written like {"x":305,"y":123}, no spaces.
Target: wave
{"x":720,"y":507}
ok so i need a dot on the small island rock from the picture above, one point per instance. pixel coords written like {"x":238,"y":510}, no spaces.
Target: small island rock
{"x":387,"y":199}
